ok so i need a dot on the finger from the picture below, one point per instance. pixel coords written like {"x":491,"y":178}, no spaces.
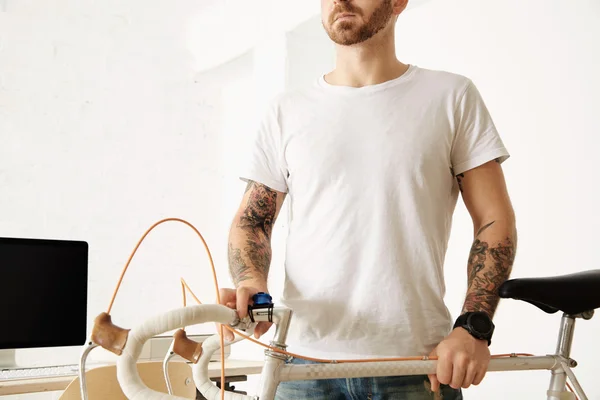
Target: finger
{"x":435,"y":384}
{"x":242,"y":299}
{"x":481,"y":371}
{"x":261,"y":329}
{"x":459,"y":371}
{"x":479,"y":375}
{"x":444,"y":369}
{"x":226,"y":295}
{"x":470,"y":375}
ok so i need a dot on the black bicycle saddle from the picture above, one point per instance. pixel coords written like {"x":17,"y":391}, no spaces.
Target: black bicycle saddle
{"x":571,"y":294}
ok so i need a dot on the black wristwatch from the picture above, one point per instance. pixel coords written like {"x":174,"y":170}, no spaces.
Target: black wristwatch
{"x":478,"y":324}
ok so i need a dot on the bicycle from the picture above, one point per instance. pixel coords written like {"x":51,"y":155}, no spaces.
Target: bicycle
{"x":575,"y":295}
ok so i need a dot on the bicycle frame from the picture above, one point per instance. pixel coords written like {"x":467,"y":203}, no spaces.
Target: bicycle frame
{"x":276,"y":369}
{"x":274,"y":372}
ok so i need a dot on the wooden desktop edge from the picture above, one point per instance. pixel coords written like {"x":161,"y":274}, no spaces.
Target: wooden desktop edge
{"x":34,"y":385}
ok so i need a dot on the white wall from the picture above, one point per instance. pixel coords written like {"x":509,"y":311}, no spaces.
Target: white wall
{"x":111,"y":118}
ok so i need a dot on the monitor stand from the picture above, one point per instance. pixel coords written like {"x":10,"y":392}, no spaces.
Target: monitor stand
{"x":7,"y":358}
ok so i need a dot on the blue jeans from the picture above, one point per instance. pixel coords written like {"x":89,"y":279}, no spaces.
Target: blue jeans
{"x":379,"y":388}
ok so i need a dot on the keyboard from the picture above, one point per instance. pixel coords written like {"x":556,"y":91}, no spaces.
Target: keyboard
{"x":38,"y":372}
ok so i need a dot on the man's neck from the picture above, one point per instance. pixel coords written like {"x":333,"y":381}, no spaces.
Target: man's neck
{"x":369,"y":63}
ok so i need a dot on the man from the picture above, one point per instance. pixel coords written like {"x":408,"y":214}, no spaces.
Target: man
{"x":373,"y":157}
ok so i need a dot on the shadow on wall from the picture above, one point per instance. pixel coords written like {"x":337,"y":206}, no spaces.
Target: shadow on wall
{"x":310,"y":53}
{"x":224,"y":31}
{"x":300,"y":69}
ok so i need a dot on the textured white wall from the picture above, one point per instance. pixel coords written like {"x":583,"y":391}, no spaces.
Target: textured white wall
{"x":112,"y":118}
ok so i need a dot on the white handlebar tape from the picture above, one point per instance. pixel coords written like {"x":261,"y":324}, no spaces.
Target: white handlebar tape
{"x":201,"y":378}
{"x":127,"y":374}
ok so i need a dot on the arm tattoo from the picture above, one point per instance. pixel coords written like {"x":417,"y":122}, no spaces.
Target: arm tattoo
{"x":239,"y":270}
{"x":488,"y":267}
{"x":252,"y":259}
{"x":484,"y":228}
{"x":258,"y":250}
{"x":260,"y":209}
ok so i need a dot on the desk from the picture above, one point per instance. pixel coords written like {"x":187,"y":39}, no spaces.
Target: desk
{"x":233,"y":368}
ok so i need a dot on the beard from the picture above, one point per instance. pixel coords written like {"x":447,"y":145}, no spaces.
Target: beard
{"x":351,"y":32}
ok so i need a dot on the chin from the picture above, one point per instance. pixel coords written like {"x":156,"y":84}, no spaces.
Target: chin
{"x":343,"y":36}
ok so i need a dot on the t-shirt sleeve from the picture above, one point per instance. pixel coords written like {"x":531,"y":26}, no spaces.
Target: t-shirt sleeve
{"x":476,"y":139}
{"x":263,"y":160}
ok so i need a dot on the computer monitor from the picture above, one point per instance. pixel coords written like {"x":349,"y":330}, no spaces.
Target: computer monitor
{"x":43,"y":293}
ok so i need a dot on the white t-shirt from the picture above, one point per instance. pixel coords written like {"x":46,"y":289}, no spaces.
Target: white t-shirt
{"x":369,"y":176}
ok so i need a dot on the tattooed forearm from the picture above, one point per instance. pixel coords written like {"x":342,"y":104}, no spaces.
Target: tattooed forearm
{"x":488,"y":267}
{"x":237,"y":266}
{"x":258,"y":251}
{"x":250,"y":238}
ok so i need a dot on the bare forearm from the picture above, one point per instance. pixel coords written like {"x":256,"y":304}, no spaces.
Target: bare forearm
{"x":250,"y":237}
{"x":490,"y":264}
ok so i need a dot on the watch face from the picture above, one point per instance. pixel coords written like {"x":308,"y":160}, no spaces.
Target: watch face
{"x":480,"y":323}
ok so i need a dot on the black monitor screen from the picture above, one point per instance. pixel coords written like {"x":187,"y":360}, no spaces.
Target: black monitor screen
{"x":43,"y":293}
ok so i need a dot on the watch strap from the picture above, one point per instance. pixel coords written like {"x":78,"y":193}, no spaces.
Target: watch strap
{"x":463,"y":322}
